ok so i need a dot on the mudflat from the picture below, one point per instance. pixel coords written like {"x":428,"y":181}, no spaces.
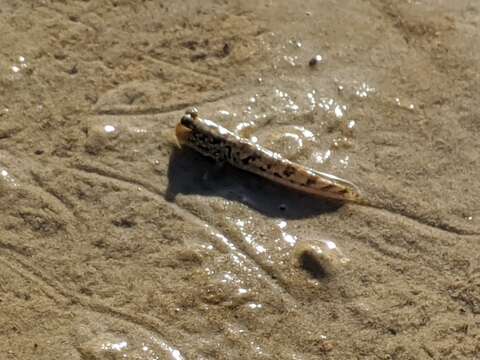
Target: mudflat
{"x":117,"y":244}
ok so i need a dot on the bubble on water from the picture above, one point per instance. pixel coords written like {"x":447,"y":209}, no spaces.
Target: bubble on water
{"x":292,"y":60}
{"x":405,"y":104}
{"x":364,"y":90}
{"x":296,"y":139}
{"x":322,"y":157}
{"x":284,"y":103}
{"x":6,"y":178}
{"x":345,"y":161}
{"x":249,"y":236}
{"x":106,"y":345}
{"x":109,"y":346}
{"x":248,"y":110}
{"x":138,"y":130}
{"x":119,"y":346}
{"x":307,"y":134}
{"x":22,"y":65}
{"x":226,"y":287}
{"x":331,"y":105}
{"x":224,"y":115}
{"x":311,"y":99}
{"x":290,"y":141}
{"x":288,"y":238}
{"x":109,"y":128}
{"x":100,"y":137}
{"x":174,"y":353}
{"x":207,"y":247}
{"x":242,"y":291}
{"x":342,"y":143}
{"x":295,"y":43}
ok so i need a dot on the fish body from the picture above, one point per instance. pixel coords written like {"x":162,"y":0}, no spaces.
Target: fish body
{"x":219,"y":143}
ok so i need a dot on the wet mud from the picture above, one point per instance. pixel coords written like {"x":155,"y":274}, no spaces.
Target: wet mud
{"x":117,"y":244}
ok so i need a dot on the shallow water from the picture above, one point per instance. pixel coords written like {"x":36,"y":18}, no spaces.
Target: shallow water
{"x":116,"y":244}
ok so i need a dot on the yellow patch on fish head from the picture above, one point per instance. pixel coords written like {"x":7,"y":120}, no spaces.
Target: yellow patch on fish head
{"x":182,"y":133}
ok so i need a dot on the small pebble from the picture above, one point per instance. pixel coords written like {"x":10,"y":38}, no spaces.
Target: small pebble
{"x":319,"y":258}
{"x":226,"y":49}
{"x":315,"y":60}
{"x":73,"y":70}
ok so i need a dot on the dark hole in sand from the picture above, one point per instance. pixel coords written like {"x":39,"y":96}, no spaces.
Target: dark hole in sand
{"x":310,"y":264}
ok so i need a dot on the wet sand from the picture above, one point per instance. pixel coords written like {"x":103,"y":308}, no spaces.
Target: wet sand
{"x":116,"y":244}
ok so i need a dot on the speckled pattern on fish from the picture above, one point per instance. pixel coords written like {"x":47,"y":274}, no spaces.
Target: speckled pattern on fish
{"x":213,"y":140}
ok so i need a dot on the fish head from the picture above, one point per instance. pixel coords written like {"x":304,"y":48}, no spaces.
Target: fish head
{"x":184,"y":129}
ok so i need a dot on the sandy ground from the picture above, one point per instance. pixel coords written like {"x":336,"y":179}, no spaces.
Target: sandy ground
{"x":116,"y":245}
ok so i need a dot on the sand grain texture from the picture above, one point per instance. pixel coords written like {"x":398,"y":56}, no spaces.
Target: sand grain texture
{"x":114,"y":244}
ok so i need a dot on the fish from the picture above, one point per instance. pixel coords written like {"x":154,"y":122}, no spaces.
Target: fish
{"x":214,"y":141}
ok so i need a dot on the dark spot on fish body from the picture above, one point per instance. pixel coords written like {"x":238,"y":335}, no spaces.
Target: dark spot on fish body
{"x":204,"y":147}
{"x":334,"y":189}
{"x":199,"y":137}
{"x":311,"y":181}
{"x":228,"y":152}
{"x":236,"y":157}
{"x":289,"y":171}
{"x":248,"y":159}
{"x":330,"y":188}
{"x":215,"y":141}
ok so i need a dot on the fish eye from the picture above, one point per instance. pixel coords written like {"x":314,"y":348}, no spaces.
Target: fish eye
{"x":193,"y":112}
{"x":187,"y":121}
